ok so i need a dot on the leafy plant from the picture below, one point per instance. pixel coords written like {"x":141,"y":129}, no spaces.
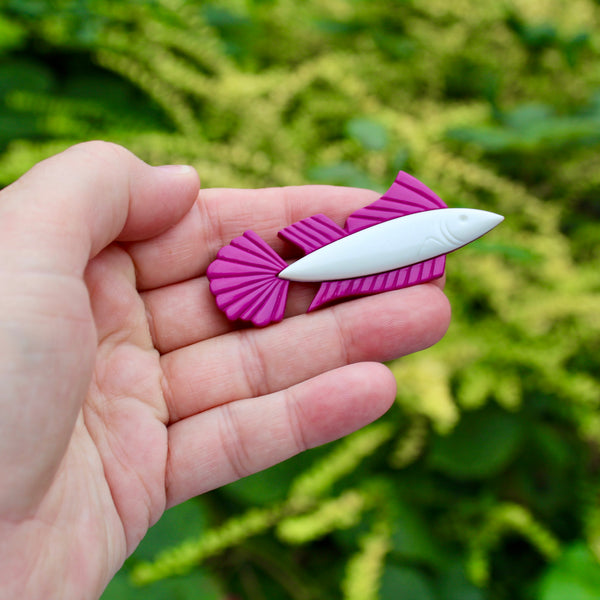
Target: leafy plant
{"x":482,"y":482}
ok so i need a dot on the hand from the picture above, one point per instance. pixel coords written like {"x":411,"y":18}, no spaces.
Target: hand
{"x":125,"y":391}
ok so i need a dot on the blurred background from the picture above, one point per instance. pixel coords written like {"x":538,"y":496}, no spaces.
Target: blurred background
{"x":482,"y":483}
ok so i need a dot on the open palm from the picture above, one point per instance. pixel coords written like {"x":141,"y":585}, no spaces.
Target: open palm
{"x":125,"y":391}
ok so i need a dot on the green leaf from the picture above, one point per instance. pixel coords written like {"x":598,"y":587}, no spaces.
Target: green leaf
{"x":119,"y":588}
{"x":539,"y":36}
{"x":491,"y":139}
{"x":267,"y":486}
{"x":400,"y":160}
{"x":576,"y":576}
{"x":480,"y":446}
{"x":30,"y":8}
{"x":404,"y":583}
{"x":454,"y":585}
{"x":13,"y":125}
{"x":195,"y":585}
{"x":342,"y":173}
{"x":526,"y":115}
{"x":24,"y":75}
{"x":368,"y":133}
{"x":412,"y":537}
{"x":513,"y":252}
{"x":176,"y":525}
{"x":12,"y":35}
{"x":397,"y":46}
{"x":573,"y":47}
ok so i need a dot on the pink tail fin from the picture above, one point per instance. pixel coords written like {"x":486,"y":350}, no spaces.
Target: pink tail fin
{"x":244,"y":280}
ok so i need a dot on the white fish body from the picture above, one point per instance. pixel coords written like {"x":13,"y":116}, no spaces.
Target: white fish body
{"x":393,"y":244}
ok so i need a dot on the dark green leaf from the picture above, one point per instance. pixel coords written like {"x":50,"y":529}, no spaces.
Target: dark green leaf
{"x":342,"y":173}
{"x":404,"y":583}
{"x":482,"y":444}
{"x":512,"y":252}
{"x":370,"y":134}
{"x":412,"y":537}
{"x":266,"y":486}
{"x":19,"y":74}
{"x":12,"y":35}
{"x":454,"y":585}
{"x":195,"y":585}
{"x":177,"y":524}
{"x":526,"y":115}
{"x":575,"y":576}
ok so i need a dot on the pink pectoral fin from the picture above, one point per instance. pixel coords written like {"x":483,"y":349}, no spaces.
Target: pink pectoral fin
{"x":382,"y":282}
{"x":312,"y":233}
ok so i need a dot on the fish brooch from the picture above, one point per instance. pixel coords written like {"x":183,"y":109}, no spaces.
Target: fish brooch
{"x":398,"y":241}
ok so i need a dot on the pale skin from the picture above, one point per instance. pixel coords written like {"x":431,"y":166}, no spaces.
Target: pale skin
{"x":125,"y":391}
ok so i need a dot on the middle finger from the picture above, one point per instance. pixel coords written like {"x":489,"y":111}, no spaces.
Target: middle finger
{"x":253,"y":362}
{"x":185,"y":313}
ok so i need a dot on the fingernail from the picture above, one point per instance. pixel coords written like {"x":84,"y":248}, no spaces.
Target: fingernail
{"x":176,"y":168}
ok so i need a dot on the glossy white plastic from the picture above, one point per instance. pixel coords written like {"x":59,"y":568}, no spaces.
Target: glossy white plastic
{"x":393,"y":244}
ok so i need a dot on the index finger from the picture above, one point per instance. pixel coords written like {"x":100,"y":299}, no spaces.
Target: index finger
{"x":219,"y":215}
{"x":68,"y":207}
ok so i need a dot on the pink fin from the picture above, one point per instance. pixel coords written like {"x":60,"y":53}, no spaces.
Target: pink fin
{"x":382,"y":282}
{"x":312,"y":233}
{"x":406,"y":195}
{"x":243,"y":279}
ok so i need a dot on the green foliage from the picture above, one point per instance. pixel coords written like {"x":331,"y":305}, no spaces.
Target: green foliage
{"x":576,"y":575}
{"x":482,"y":481}
{"x":365,"y":568}
{"x":174,"y":524}
{"x":405,"y":583}
{"x":480,"y":446}
{"x":503,"y":519}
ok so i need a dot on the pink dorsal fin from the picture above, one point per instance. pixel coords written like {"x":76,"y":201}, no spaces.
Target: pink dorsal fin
{"x":312,"y":233}
{"x":406,"y":195}
{"x":382,"y":282}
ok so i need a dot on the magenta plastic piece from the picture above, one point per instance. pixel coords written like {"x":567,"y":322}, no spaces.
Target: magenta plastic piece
{"x":244,"y":280}
{"x":312,"y":233}
{"x":406,"y":195}
{"x":244,"y":276}
{"x":382,"y":282}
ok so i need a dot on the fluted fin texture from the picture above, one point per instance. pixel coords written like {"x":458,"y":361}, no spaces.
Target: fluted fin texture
{"x":382,"y":282}
{"x":312,"y":233}
{"x":243,"y":279}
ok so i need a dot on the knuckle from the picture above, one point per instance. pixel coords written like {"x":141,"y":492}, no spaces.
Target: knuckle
{"x":234,"y":444}
{"x":254,"y":366}
{"x":102,"y":151}
{"x":296,"y":423}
